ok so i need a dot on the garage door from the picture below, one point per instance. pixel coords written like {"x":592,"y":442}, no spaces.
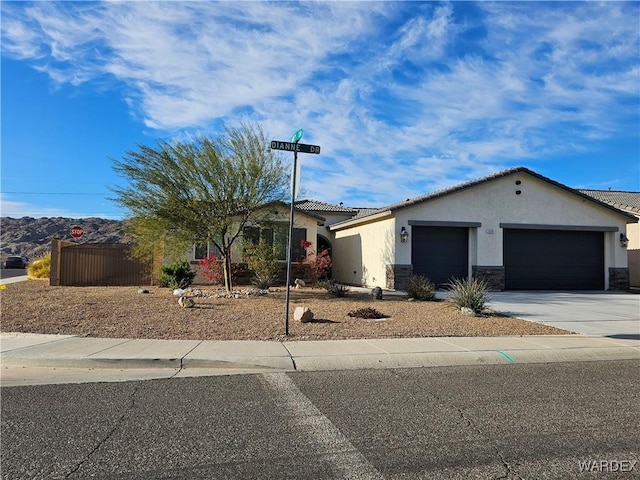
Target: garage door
{"x":553,"y":260}
{"x":440,"y":253}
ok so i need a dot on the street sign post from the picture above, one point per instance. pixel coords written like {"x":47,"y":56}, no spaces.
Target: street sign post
{"x":77,"y":231}
{"x":295,"y":147}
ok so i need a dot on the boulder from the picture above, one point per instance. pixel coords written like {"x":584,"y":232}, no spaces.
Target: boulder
{"x":377,"y":293}
{"x":300,"y":283}
{"x":303,"y":314}
{"x":468,"y":312}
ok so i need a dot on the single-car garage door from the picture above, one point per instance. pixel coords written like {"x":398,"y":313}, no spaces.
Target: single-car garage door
{"x":440,"y":253}
{"x":553,"y":260}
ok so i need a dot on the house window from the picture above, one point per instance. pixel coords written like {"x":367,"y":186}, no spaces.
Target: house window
{"x":203,"y":250}
{"x":277,"y":236}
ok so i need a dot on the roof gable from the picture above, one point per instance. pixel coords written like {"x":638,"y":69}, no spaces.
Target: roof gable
{"x":467,"y":185}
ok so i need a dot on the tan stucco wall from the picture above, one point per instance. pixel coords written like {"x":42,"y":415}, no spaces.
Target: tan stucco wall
{"x":633,"y":253}
{"x":360,"y":255}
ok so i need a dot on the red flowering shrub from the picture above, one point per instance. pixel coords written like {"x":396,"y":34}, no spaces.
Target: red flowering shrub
{"x":319,"y":265}
{"x":212,"y":268}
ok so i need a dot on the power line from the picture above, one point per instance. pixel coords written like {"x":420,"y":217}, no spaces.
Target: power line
{"x":57,"y":193}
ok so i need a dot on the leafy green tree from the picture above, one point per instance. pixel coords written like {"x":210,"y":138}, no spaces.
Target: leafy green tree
{"x":201,"y":191}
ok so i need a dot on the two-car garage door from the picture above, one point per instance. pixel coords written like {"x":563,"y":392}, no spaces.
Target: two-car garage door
{"x":553,"y":259}
{"x":534,"y":259}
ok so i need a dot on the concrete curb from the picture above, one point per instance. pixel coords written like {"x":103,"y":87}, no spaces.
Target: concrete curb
{"x":74,"y":352}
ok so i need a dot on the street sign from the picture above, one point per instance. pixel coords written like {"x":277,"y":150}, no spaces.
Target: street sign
{"x":297,"y":136}
{"x":77,"y":231}
{"x":295,"y":147}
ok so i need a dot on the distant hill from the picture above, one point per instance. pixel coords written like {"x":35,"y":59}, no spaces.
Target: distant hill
{"x":32,"y":236}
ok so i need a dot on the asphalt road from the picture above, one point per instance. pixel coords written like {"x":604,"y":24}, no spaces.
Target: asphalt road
{"x":490,"y":422}
{"x":10,"y":273}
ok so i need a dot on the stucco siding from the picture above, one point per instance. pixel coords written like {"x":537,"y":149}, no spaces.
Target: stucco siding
{"x":496,"y":202}
{"x":633,"y":253}
{"x":361,"y":254}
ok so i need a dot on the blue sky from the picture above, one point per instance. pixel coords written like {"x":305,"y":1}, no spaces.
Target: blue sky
{"x":404,"y":98}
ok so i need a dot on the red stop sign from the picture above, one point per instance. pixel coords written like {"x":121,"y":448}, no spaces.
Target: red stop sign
{"x":77,"y":231}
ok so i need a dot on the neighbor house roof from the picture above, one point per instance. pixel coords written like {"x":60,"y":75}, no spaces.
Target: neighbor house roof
{"x":388,"y":210}
{"x":280,"y":203}
{"x":628,"y":201}
{"x":317,"y":206}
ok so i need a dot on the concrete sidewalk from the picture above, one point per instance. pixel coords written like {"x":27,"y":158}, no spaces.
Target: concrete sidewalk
{"x":64,"y":351}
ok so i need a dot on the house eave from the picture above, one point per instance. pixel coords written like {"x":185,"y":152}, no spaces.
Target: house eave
{"x":362,"y":220}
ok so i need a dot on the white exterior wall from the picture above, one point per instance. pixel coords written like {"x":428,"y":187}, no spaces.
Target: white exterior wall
{"x":360,"y":255}
{"x":496,"y":202}
{"x":491,"y":204}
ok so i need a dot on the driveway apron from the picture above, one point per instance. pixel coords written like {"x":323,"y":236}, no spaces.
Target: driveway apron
{"x":610,"y":314}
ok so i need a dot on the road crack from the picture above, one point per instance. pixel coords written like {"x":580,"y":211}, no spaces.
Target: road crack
{"x":109,"y":434}
{"x":510,"y":473}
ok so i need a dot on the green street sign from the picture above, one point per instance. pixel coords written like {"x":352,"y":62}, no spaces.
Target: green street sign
{"x":295,"y":147}
{"x":297,"y":136}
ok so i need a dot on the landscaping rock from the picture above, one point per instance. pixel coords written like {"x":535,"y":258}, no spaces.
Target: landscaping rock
{"x":468,"y":312}
{"x":143,"y":290}
{"x":300,"y":283}
{"x":377,"y":293}
{"x":302,"y":314}
{"x":186,"y":302}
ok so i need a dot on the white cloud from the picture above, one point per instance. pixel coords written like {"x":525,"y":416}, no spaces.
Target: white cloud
{"x":376,"y":84}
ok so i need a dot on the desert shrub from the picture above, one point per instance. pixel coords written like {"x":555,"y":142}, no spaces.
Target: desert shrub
{"x":40,"y":268}
{"x":468,"y":293}
{"x":262,"y":260}
{"x":177,"y":275}
{"x":338,"y":290}
{"x":325,"y":283}
{"x":420,"y":288}
{"x":367,"y":312}
{"x":263,"y":282}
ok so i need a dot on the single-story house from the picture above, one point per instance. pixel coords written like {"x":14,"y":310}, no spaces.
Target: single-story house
{"x":516,"y":229}
{"x":270,"y":223}
{"x":627,"y":202}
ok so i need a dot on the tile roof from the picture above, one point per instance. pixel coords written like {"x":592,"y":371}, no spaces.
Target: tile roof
{"x":629,"y":201}
{"x":317,"y":206}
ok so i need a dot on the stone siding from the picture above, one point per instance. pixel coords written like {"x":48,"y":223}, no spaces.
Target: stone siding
{"x":493,"y":276}
{"x":618,"y":279}
{"x":397,"y":276}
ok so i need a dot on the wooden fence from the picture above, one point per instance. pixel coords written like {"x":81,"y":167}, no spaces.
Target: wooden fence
{"x":96,"y":264}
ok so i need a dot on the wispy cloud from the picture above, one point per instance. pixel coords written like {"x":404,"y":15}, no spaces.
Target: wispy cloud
{"x":403,"y":97}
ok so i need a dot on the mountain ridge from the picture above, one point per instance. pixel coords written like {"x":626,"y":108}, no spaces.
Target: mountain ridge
{"x":32,"y":237}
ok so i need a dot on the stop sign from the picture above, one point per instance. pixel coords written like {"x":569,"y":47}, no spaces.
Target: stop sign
{"x":77,"y":231}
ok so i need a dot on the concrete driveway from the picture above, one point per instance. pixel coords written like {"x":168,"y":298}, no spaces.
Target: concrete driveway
{"x":610,"y":314}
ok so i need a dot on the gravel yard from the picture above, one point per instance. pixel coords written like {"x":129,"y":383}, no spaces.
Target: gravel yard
{"x":121,"y":312}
